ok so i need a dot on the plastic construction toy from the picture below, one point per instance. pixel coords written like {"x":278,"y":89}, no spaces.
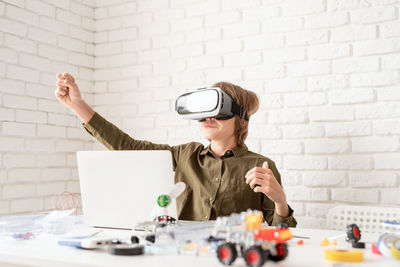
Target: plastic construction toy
{"x":244,"y":233}
{"x":353,"y":235}
{"x":160,"y":212}
{"x":160,"y":215}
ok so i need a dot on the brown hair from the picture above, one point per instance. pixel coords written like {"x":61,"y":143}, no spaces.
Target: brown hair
{"x":248,"y":100}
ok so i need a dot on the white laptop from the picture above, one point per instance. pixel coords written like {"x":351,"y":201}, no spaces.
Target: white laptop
{"x":120,"y":188}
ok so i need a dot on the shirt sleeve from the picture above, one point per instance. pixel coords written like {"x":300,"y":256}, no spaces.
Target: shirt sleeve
{"x":115,"y":139}
{"x":289,"y":220}
{"x":269,"y":212}
{"x":273,"y":218}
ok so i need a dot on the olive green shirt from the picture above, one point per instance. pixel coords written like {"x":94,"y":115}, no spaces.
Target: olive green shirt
{"x":214,"y":186}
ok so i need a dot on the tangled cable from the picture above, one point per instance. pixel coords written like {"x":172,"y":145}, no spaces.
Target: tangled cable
{"x":66,"y":201}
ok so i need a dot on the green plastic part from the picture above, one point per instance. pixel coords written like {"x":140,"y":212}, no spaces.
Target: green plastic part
{"x":163,"y":201}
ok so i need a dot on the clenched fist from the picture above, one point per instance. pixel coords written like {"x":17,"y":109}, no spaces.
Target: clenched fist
{"x":67,"y":91}
{"x":68,"y":94}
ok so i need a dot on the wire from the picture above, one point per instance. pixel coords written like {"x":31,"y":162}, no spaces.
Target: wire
{"x":67,"y":201}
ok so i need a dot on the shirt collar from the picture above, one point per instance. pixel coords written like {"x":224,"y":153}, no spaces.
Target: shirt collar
{"x":205,"y":150}
{"x":237,"y":151}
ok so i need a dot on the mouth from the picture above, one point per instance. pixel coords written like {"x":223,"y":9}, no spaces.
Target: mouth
{"x":208,"y":126}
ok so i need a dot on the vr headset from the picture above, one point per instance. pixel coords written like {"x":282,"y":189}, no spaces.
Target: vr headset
{"x":206,"y":103}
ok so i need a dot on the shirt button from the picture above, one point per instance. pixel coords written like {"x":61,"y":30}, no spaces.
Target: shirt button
{"x":206,"y":217}
{"x":211,"y":199}
{"x":217,"y":179}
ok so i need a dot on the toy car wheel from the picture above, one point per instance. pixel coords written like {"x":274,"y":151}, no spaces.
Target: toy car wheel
{"x":254,"y":256}
{"x":227,"y":253}
{"x":353,"y":233}
{"x":281,"y":252}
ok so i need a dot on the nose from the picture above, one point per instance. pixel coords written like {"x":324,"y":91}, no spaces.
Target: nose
{"x":210,"y":119}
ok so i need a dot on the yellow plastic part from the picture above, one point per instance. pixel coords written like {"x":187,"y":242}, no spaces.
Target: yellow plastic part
{"x":190,"y":246}
{"x":285,"y":234}
{"x":253,"y":221}
{"x":395,"y":249}
{"x":344,"y":255}
{"x":324,"y":242}
{"x":204,"y":249}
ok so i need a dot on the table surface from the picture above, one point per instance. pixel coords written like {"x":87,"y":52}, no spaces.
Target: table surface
{"x":44,"y":251}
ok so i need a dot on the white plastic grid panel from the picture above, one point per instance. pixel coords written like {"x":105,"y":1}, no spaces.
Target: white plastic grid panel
{"x":368,"y":219}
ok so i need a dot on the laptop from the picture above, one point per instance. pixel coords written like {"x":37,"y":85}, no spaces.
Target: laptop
{"x":120,"y":188}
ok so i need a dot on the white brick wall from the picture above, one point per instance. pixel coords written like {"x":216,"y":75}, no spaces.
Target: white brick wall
{"x":327,"y":73}
{"x":38,"y":39}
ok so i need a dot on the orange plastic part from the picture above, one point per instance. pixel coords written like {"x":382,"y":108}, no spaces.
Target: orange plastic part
{"x":324,"y":242}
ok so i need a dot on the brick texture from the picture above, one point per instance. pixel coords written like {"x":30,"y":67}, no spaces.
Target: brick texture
{"x":327,"y":73}
{"x":38,"y":39}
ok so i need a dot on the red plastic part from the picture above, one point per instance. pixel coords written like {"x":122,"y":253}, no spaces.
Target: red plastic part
{"x":224,"y":253}
{"x":271,"y":234}
{"x":375,"y":249}
{"x":356,"y":232}
{"x":253,"y":257}
{"x":280,"y":249}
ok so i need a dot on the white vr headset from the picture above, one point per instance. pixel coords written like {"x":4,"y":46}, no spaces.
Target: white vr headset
{"x":206,"y":103}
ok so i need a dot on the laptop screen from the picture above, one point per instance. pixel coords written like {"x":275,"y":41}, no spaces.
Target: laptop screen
{"x":120,"y":188}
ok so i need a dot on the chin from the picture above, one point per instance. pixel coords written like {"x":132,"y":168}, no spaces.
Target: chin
{"x":208,"y":135}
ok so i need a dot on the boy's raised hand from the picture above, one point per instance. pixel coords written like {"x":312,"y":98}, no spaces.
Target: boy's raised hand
{"x":67,"y":91}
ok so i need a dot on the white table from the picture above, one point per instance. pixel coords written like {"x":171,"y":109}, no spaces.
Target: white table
{"x":44,"y":251}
